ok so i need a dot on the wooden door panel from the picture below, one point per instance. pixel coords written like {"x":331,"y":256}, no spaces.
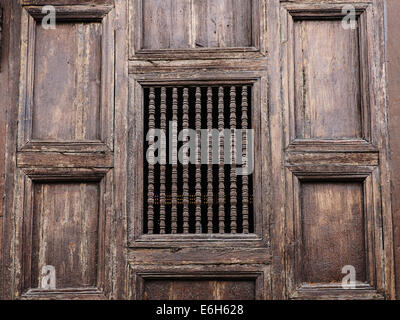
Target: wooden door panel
{"x":199,"y":290}
{"x":63,"y":191}
{"x":183,"y":28}
{"x":66,"y":103}
{"x":82,"y":199}
{"x":166,"y":24}
{"x":330,"y":81}
{"x":176,"y":24}
{"x":64,"y":229}
{"x":65,"y":233}
{"x":66,"y":92}
{"x":226,"y":23}
{"x":332,"y":230}
{"x":327,"y":80}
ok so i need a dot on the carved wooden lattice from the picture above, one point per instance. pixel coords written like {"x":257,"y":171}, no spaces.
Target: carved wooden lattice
{"x":199,"y":197}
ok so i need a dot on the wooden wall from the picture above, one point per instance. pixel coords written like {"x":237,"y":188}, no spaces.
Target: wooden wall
{"x":393,"y":67}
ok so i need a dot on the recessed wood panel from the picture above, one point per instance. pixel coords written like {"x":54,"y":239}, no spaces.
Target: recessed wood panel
{"x":67,"y":82}
{"x":223,"y":23}
{"x":65,"y":233}
{"x":181,"y":24}
{"x":166,"y":24}
{"x":188,"y":289}
{"x":327,"y":80}
{"x":332,"y":227}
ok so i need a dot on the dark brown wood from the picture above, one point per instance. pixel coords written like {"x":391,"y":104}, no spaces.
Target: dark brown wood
{"x":393,"y":69}
{"x":352,"y":161}
{"x":150,"y":192}
{"x":80,"y":156}
{"x":65,"y":232}
{"x":233,"y":27}
{"x":198,"y":163}
{"x":10,"y":79}
{"x":73,"y":107}
{"x":245,"y":178}
{"x":233,"y":186}
{"x":181,"y":289}
{"x":163,"y":127}
{"x":3,"y":117}
{"x":210,"y":177}
{"x":215,"y":282}
{"x":315,"y":43}
{"x":221,"y":170}
{"x":332,"y":239}
{"x":185,"y":164}
{"x":1,"y":32}
{"x":174,"y":223}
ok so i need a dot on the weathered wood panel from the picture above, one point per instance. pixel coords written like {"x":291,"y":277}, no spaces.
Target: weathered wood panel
{"x":9,"y":85}
{"x":166,"y":24}
{"x":199,"y":289}
{"x":66,"y":104}
{"x":332,"y":230}
{"x":3,"y":110}
{"x":393,"y":60}
{"x":223,"y":23}
{"x":181,"y":24}
{"x":336,"y":115}
{"x":327,"y":80}
{"x":65,"y":233}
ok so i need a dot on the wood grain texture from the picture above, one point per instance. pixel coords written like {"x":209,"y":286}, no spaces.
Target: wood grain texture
{"x":166,"y":24}
{"x":393,"y":68}
{"x":66,"y":104}
{"x":10,"y":78}
{"x":199,"y":290}
{"x":65,"y":233}
{"x":66,"y":2}
{"x":332,"y":231}
{"x":323,"y":151}
{"x":331,"y":165}
{"x":223,"y":23}
{"x":184,"y":24}
{"x":327,"y":80}
{"x":91,"y":31}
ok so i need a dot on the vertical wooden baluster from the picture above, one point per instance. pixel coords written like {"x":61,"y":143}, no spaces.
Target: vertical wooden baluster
{"x":150,"y":199}
{"x":221,"y":173}
{"x":233,"y":189}
{"x":210,"y":195}
{"x":245,"y":178}
{"x":185,"y":125}
{"x":163,"y":126}
{"x":174,"y":189}
{"x":198,"y":163}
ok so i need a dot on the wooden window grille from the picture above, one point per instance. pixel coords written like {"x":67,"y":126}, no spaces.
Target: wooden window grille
{"x":197,"y":198}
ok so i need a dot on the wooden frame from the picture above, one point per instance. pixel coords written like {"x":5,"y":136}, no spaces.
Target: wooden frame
{"x":135,"y":169}
{"x":136,"y":50}
{"x":138,"y":275}
{"x":292,"y":12}
{"x":26,"y":180}
{"x":1,"y":34}
{"x":286,"y":162}
{"x":310,"y":158}
{"x":30,"y":17}
{"x":368,"y":176}
{"x":83,"y":161}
